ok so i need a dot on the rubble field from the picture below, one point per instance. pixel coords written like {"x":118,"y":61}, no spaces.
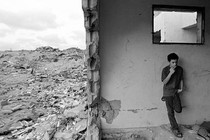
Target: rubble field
{"x":43,"y":94}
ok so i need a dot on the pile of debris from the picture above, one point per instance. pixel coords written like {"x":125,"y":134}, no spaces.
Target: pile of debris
{"x":43,"y":94}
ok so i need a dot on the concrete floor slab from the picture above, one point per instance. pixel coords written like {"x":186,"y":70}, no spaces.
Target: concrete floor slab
{"x":162,"y":132}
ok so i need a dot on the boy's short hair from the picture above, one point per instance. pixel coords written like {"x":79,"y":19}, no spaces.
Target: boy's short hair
{"x":172,"y":56}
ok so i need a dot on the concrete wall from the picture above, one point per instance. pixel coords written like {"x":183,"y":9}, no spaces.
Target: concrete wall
{"x":159,"y":24}
{"x":188,"y":19}
{"x":131,"y":65}
{"x":173,"y":29}
{"x":171,"y":25}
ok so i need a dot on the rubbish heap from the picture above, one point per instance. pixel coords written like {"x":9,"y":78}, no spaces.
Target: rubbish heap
{"x":43,"y":94}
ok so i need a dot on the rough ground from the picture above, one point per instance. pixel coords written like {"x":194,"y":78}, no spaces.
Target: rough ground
{"x":154,"y":133}
{"x":43,"y":94}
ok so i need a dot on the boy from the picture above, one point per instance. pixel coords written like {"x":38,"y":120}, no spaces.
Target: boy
{"x":172,"y":78}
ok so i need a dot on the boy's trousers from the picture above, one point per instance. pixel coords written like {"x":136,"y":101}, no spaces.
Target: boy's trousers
{"x":173,"y":103}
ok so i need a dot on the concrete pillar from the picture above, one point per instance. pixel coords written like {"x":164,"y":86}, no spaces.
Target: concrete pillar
{"x":90,"y":9}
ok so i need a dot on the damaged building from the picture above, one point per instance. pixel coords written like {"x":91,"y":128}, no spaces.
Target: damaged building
{"x":126,"y":53}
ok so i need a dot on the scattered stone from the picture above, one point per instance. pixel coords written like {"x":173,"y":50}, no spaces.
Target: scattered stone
{"x":81,"y":125}
{"x":43,"y":94}
{"x":4,"y":111}
{"x":18,"y":107}
{"x":82,"y":115}
{"x":16,"y":126}
{"x":1,"y":124}
{"x":69,"y":114}
{"x":66,"y":135}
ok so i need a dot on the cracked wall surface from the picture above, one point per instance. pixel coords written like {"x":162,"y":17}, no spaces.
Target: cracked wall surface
{"x":91,"y":22}
{"x":131,"y":66}
{"x":108,"y":110}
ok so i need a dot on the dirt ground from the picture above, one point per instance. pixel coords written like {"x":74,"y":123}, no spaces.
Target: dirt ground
{"x":154,"y":133}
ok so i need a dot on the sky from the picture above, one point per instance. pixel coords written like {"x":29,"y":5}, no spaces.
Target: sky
{"x":29,"y":24}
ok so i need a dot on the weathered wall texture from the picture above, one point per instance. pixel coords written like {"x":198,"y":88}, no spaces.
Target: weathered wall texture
{"x":91,"y":17}
{"x":131,"y":65}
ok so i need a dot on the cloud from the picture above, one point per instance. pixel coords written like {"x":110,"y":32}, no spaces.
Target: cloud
{"x":74,"y":16}
{"x":8,"y":45}
{"x":52,"y":39}
{"x":78,"y":34}
{"x":4,"y":30}
{"x":32,"y":20}
{"x":27,"y":24}
{"x":19,"y":44}
{"x":27,"y":43}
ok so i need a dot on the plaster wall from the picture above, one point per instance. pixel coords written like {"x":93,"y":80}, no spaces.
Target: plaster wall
{"x":189,"y":19}
{"x":171,"y":25}
{"x":173,"y":28}
{"x":131,"y":65}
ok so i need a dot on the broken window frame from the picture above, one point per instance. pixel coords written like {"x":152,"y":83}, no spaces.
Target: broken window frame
{"x":200,"y":15}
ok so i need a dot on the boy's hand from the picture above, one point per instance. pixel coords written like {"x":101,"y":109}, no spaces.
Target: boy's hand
{"x":172,"y":70}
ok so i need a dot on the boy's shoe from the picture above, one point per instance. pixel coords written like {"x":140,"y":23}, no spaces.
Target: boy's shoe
{"x":177,"y":133}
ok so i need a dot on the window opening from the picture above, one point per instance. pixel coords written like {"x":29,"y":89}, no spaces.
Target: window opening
{"x":177,"y":24}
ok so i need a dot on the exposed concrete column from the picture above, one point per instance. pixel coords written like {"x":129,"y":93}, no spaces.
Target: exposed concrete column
{"x":91,"y":8}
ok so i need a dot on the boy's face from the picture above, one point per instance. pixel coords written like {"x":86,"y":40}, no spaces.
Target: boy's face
{"x":173,"y":63}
